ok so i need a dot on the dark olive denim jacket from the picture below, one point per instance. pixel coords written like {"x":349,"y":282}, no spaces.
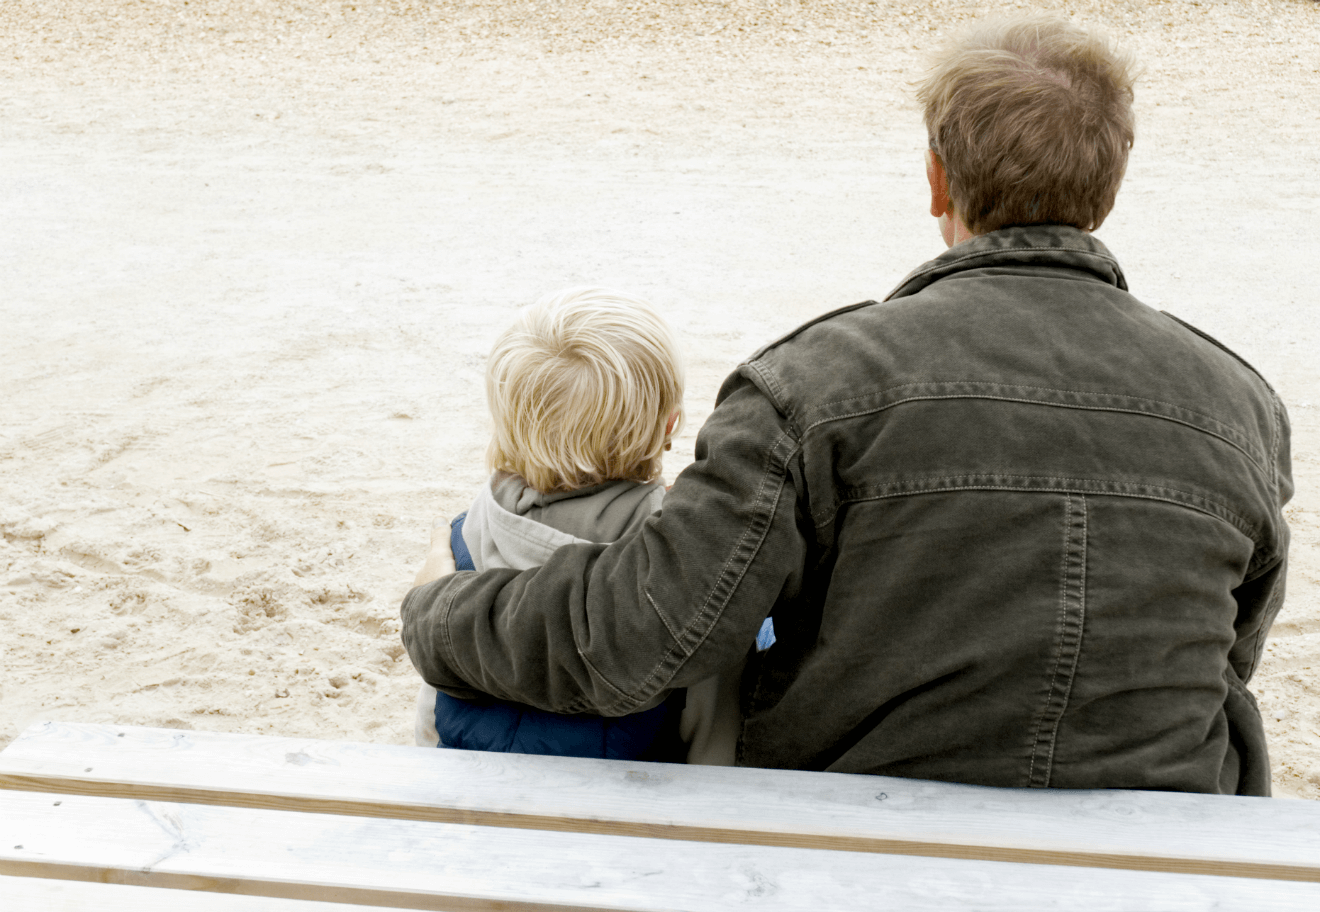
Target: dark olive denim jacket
{"x":1015,"y":528}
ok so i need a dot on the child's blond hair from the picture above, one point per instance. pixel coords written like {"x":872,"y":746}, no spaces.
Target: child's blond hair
{"x":581,"y":388}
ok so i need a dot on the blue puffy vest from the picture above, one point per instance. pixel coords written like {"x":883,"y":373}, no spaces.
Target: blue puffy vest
{"x":495,"y":725}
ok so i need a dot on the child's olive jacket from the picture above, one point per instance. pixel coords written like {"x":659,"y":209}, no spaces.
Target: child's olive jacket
{"x":1015,"y":528}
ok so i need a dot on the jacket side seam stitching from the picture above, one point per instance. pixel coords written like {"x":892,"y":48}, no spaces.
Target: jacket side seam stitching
{"x":1271,"y":610}
{"x":1240,"y":686}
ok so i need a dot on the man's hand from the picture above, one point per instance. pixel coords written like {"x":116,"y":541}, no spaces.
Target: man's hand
{"x":440,"y":559}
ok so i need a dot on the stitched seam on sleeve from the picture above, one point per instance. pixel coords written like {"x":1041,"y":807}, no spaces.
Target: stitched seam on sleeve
{"x":1276,"y":442}
{"x":447,"y":636}
{"x":665,"y":669}
{"x":699,"y":618}
{"x":619,"y":695}
{"x":661,"y":615}
{"x":1269,"y":610}
{"x":1237,"y":684}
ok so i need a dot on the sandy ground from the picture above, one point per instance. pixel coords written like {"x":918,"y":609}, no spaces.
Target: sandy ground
{"x":253,"y":254}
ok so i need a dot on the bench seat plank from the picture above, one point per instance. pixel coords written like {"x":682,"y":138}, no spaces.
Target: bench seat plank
{"x":421,"y":865}
{"x":1198,"y":834}
{"x":39,"y":894}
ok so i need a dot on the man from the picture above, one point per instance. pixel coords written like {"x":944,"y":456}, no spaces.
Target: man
{"x":1013,"y":527}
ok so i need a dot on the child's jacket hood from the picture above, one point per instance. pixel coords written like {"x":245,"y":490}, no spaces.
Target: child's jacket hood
{"x":511,"y":525}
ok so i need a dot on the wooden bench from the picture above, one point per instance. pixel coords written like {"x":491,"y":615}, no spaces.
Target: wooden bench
{"x":117,"y":817}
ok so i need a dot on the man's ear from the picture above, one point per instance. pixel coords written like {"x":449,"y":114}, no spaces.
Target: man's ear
{"x":939,"y":185}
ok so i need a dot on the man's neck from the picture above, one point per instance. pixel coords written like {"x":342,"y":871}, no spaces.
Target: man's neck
{"x":953,"y":230}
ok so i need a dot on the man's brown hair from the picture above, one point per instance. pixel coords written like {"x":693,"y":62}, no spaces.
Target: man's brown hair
{"x":1032,"y":120}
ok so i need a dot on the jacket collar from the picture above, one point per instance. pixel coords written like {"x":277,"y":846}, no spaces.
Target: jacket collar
{"x":1037,"y":245}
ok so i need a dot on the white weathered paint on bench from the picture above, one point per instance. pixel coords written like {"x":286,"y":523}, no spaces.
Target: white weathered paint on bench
{"x":39,"y":894}
{"x":422,"y":865}
{"x":1150,"y":831}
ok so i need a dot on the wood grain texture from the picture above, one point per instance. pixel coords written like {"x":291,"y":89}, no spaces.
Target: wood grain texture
{"x":420,"y":865}
{"x":1151,"y":831}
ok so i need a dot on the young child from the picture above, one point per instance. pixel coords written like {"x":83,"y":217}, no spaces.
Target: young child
{"x":585,"y":390}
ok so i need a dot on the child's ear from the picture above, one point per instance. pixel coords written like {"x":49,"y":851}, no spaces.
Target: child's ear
{"x":669,"y":429}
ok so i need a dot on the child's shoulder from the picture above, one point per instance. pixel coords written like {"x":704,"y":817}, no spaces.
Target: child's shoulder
{"x":602,"y":513}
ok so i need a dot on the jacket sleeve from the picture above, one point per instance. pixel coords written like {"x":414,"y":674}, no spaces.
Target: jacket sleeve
{"x":1260,"y":596}
{"x":610,"y":629}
